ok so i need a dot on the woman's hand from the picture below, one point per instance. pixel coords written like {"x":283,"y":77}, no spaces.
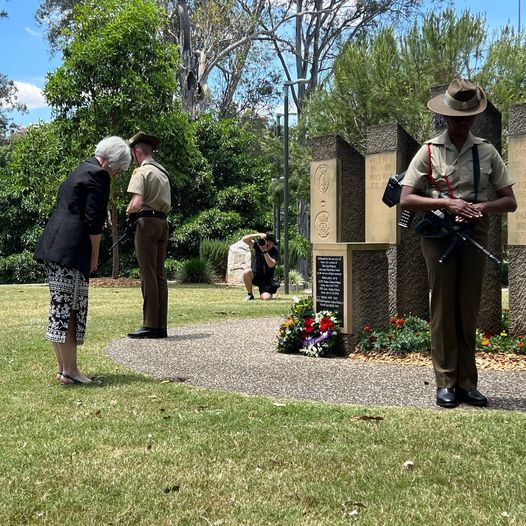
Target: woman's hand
{"x":94,"y":264}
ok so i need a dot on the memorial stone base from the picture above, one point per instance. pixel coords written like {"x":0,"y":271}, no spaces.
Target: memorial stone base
{"x":351,"y":280}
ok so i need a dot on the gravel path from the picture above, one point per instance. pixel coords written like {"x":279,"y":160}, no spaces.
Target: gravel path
{"x":240,"y":356}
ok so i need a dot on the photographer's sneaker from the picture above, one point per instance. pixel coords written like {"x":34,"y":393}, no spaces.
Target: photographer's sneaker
{"x":249,"y":297}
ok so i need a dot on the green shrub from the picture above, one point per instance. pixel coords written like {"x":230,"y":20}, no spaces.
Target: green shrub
{"x":278,"y":273}
{"x":196,"y":271}
{"x":404,"y":335}
{"x":173,"y":266}
{"x":248,"y":200}
{"x":21,"y":268}
{"x":209,"y":224}
{"x":215,"y":251}
{"x":295,"y":278}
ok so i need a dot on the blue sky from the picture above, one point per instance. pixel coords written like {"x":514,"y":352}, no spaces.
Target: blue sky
{"x":26,"y":60}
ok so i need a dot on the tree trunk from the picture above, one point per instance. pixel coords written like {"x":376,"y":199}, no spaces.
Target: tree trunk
{"x":114,"y":238}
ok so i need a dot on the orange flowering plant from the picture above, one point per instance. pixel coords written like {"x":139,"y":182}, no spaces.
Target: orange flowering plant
{"x":307,"y":332}
{"x":501,"y":342}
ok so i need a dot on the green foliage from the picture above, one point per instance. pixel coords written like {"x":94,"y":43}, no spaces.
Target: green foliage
{"x":117,"y":70}
{"x":21,"y":268}
{"x":503,"y":71}
{"x":233,"y":154}
{"x":384,"y":77}
{"x":295,"y":278}
{"x":404,"y":335}
{"x":173,"y":267}
{"x":413,"y":334}
{"x":249,"y":200}
{"x":299,"y":248}
{"x":196,"y":270}
{"x":215,"y":251}
{"x":501,"y":342}
{"x":209,"y":224}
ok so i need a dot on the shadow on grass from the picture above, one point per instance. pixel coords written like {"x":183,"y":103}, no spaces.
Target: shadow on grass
{"x":113,"y":379}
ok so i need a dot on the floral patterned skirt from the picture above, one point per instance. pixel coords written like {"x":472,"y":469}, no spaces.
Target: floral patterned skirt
{"x":69,"y":294}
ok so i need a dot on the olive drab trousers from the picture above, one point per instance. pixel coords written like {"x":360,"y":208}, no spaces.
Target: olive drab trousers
{"x":151,"y":240}
{"x":456,"y":287}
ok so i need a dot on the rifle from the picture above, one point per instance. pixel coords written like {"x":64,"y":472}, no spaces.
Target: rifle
{"x":130,"y":222}
{"x":441,"y":222}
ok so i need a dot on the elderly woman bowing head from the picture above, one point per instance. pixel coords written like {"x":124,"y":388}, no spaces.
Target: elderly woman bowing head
{"x":69,"y":247}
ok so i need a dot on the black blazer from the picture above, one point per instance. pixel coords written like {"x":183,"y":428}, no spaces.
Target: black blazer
{"x":80,"y":210}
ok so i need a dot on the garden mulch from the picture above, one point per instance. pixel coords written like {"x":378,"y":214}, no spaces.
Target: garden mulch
{"x":240,"y":356}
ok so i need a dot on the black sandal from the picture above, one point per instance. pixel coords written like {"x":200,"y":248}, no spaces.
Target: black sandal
{"x":74,"y":380}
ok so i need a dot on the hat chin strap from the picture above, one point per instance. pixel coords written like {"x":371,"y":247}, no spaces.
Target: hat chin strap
{"x":455,"y":104}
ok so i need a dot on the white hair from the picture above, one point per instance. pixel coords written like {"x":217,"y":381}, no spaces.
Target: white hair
{"x":116,"y":151}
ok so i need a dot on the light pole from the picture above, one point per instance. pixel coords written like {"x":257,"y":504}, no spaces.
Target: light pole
{"x":286,"y":180}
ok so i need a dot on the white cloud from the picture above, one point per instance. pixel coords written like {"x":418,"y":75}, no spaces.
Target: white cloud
{"x":32,"y":32}
{"x":30,"y":95}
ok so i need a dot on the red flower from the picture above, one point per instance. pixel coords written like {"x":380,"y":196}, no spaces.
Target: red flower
{"x":325,"y":324}
{"x":400,"y":322}
{"x":392,"y":320}
{"x":487,"y":335}
{"x":307,"y":324}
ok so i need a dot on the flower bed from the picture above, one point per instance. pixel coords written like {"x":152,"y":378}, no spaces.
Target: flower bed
{"x":309,"y":333}
{"x":413,"y":334}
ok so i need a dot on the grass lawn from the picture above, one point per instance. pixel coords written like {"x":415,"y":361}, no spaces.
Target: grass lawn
{"x":131,"y":450}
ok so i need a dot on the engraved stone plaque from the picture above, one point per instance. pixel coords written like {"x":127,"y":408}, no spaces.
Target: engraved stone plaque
{"x":517,"y":169}
{"x":380,"y":220}
{"x":329,"y":284}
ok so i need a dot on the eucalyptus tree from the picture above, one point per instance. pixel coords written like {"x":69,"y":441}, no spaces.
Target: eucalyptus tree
{"x":217,"y":37}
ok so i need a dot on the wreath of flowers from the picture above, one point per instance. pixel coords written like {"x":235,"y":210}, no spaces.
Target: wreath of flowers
{"x":307,"y":332}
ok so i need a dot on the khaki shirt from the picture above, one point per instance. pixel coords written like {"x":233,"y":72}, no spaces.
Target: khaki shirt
{"x":150,"y":181}
{"x":448,"y":164}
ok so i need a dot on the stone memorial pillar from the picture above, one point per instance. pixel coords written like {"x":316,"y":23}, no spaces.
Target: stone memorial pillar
{"x":337,"y":198}
{"x":488,"y":125}
{"x":517,"y":221}
{"x":389,"y":151}
{"x":351,"y":280}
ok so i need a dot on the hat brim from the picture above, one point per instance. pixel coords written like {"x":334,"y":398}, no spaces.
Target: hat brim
{"x":145,"y":138}
{"x":437,"y":105}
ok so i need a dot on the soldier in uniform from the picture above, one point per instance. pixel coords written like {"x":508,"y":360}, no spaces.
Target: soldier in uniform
{"x":150,"y":203}
{"x":466,"y":176}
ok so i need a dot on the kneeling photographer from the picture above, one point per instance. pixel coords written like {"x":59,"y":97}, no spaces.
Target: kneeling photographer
{"x":262,"y":272}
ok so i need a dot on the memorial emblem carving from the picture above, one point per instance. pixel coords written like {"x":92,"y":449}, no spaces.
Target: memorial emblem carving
{"x":322,"y":178}
{"x":322,"y":224}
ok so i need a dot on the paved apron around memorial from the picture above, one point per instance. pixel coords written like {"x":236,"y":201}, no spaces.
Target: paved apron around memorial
{"x":240,"y":356}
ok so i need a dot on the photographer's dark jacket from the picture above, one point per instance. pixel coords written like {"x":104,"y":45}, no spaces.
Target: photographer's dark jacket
{"x":259,"y":265}
{"x":80,"y":211}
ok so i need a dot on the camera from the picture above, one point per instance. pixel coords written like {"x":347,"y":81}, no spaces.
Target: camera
{"x":262,"y":242}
